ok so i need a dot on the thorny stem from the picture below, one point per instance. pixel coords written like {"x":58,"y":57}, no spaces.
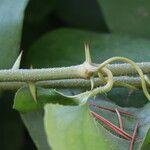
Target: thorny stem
{"x":77,"y":72}
{"x":123,"y":81}
{"x":85,"y":70}
{"x":41,"y":74}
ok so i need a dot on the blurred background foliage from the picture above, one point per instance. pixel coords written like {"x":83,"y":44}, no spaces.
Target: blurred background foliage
{"x":55,"y":28}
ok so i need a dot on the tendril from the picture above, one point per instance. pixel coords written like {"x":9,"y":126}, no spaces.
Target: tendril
{"x":102,"y":70}
{"x":107,"y":87}
{"x":117,"y":83}
{"x":134,"y":65}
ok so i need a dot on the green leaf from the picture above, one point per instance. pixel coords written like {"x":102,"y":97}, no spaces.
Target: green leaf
{"x":24,"y":101}
{"x":38,"y":20}
{"x":88,"y":16}
{"x":11,"y":18}
{"x":38,"y":10}
{"x":67,"y":122}
{"x":146,"y":142}
{"x":72,"y":128}
{"x":140,"y":115}
{"x":32,"y":112}
{"x":127,"y":16}
{"x":66,"y":47}
{"x":127,"y":98}
{"x":35,"y":125}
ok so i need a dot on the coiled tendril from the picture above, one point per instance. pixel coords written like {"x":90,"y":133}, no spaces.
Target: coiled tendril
{"x":102,"y":69}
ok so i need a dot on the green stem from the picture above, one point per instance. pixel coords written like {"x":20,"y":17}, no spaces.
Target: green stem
{"x":75,"y":83}
{"x":41,"y":74}
{"x":78,"y":71}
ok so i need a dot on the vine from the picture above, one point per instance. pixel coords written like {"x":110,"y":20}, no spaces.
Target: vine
{"x":102,"y":69}
{"x":78,"y":76}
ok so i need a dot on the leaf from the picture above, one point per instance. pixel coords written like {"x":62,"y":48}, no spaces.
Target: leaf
{"x":32,"y":112}
{"x":38,"y":10}
{"x":10,"y":30}
{"x":71,"y":43}
{"x":35,"y":125}
{"x":130,"y":17}
{"x":38,"y":20}
{"x":88,"y":16}
{"x":24,"y":101}
{"x":11,"y":20}
{"x":67,"y":124}
{"x":140,"y":115}
{"x":124,"y":97}
{"x":146,"y":142}
{"x":72,"y":127}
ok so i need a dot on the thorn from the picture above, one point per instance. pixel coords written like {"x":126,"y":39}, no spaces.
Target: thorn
{"x":17,"y":62}
{"x":119,"y":119}
{"x":92,"y":82}
{"x":87,"y":54}
{"x":112,"y":126}
{"x":110,"y":109}
{"x":133,"y":136}
{"x":32,"y":89}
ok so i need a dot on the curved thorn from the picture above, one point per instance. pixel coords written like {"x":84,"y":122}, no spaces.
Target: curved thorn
{"x":32,"y":89}
{"x":17,"y":62}
{"x":87,"y":54}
